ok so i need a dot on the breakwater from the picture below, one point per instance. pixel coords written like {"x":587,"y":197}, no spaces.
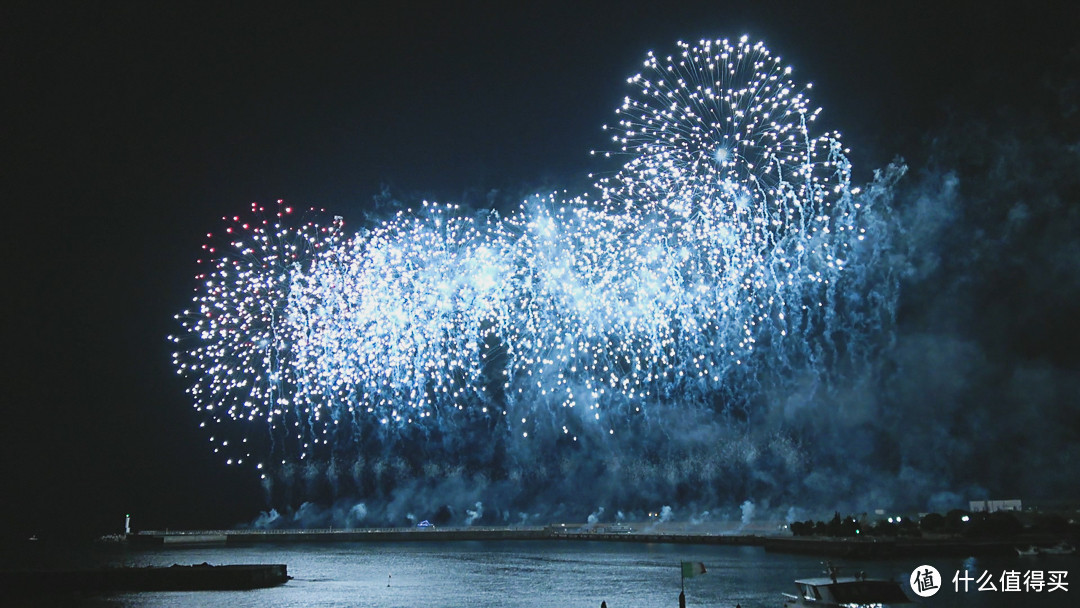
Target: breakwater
{"x":319,"y":535}
{"x":902,"y":547}
{"x":202,"y":577}
{"x":831,"y":547}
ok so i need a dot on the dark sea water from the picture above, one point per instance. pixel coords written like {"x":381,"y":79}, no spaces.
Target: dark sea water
{"x":490,"y":574}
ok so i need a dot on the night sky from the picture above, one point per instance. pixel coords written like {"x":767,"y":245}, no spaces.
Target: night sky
{"x":129,"y":132}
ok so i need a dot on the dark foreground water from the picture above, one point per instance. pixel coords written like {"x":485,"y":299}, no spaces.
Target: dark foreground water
{"x":504,"y":574}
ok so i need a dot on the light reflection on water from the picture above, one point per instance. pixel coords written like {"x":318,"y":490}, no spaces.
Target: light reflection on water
{"x":506,"y":574}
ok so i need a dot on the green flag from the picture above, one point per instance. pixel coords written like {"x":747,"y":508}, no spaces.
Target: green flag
{"x":692,"y":569}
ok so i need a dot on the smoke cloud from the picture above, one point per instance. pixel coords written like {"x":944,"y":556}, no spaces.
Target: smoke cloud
{"x":473,"y":515}
{"x":747,"y":509}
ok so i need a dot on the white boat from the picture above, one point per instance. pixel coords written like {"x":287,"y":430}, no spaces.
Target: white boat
{"x":848,"y":591}
{"x":1028,"y":551}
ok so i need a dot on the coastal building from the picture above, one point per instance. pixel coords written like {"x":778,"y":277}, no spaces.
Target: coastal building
{"x":992,"y":506}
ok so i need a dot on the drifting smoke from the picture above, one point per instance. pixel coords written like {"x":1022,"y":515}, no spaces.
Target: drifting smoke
{"x":718,"y":320}
{"x":267,"y":519}
{"x":357,"y":515}
{"x":747,"y":510}
{"x":473,"y":515}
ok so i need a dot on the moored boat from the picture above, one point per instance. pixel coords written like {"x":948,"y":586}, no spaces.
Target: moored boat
{"x":1062,"y":548}
{"x":849,"y":591}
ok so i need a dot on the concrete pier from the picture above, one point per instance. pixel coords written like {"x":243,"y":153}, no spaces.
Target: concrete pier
{"x":175,"y":578}
{"x":881,"y":547}
{"x":474,"y":533}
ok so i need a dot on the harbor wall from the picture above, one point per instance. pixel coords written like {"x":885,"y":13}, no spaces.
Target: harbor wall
{"x":820,"y":546}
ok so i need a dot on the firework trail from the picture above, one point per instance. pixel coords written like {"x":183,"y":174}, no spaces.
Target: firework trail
{"x":724,"y":259}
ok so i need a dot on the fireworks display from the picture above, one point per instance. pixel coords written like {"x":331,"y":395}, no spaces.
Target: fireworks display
{"x":728,"y":255}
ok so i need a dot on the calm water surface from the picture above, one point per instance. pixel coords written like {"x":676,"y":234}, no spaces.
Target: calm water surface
{"x":506,"y":574}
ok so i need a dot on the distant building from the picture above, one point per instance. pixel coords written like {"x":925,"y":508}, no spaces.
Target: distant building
{"x":568,"y":528}
{"x":1055,"y":505}
{"x":991,"y":506}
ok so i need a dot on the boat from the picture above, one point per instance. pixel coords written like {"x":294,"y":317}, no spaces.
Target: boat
{"x":1061,"y":548}
{"x":1028,"y":551}
{"x":849,"y":591}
